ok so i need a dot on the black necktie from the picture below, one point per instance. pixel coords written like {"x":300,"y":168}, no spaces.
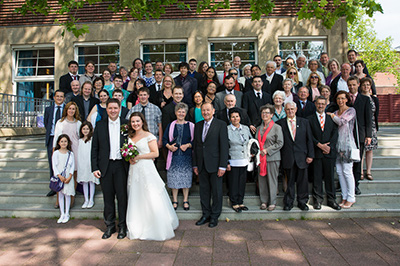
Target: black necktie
{"x":143,"y":111}
{"x":58,"y":113}
{"x":159,"y":87}
{"x":258,"y":95}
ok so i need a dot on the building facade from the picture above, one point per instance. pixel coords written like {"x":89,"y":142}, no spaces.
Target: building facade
{"x":33,"y":54}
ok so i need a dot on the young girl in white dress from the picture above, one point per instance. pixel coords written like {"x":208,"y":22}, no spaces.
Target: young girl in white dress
{"x":85,"y":175}
{"x":150,"y":215}
{"x":63,"y":157}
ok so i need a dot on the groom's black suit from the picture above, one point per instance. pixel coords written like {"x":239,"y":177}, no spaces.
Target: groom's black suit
{"x":113,"y":179}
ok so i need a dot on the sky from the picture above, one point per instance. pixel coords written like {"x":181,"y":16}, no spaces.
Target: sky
{"x":388,"y":23}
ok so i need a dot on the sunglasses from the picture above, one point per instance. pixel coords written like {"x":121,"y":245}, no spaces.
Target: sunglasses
{"x":292,"y":73}
{"x":314,"y":77}
{"x":233,"y":74}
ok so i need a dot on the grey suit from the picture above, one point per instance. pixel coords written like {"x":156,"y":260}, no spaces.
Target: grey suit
{"x":221,"y":97}
{"x":273,"y":143}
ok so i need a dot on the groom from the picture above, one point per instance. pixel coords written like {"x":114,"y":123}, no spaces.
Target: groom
{"x":110,"y":167}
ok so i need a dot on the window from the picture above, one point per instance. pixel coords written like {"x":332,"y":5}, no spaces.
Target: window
{"x":308,"y":46}
{"x":222,"y":49}
{"x":167,"y":51}
{"x":33,"y":70}
{"x":99,"y":53}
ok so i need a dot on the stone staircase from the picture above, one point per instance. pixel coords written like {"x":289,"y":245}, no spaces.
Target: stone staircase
{"x":24,"y":184}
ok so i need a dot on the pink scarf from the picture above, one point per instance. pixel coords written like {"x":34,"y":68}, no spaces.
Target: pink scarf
{"x":171,"y":137}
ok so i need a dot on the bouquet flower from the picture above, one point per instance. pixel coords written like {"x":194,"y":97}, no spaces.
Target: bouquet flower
{"x":124,"y":129}
{"x":129,"y":151}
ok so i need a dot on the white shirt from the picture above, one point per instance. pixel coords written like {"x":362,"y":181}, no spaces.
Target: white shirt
{"x":114,"y":128}
{"x":260,"y":92}
{"x":269,"y":78}
{"x":323,"y":117}
{"x":342,"y":85}
{"x":229,"y":92}
{"x":158,"y":84}
{"x":290,"y":125}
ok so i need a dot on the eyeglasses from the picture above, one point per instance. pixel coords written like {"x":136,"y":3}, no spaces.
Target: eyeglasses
{"x":314,"y":77}
{"x":292,"y":73}
{"x":265,"y":113}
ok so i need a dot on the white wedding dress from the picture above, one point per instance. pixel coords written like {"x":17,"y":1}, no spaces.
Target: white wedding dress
{"x":150,"y":215}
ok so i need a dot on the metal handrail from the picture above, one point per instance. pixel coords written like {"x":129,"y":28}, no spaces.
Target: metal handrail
{"x":22,"y":111}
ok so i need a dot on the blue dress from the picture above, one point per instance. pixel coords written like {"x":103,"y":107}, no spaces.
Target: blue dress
{"x":179,"y":174}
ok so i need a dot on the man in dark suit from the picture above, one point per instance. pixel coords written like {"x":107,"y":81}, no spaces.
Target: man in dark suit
{"x":304,"y":107}
{"x":193,"y":73}
{"x":297,"y":153}
{"x":76,"y":91}
{"x":278,"y":61}
{"x":118,"y":94}
{"x":228,"y":88}
{"x":156,"y":87}
{"x":272,"y":81}
{"x":352,"y":57}
{"x":188,"y":84}
{"x":168,"y":112}
{"x":85,"y":101}
{"x":52,"y":114}
{"x":253,"y":100}
{"x":340,"y":82}
{"x":325,"y":135}
{"x":65,"y":80}
{"x":255,"y":72}
{"x":110,"y":167}
{"x":210,"y":159}
{"x":230,"y":102}
{"x":364,"y":124}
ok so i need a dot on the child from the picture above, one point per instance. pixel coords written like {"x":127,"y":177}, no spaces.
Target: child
{"x":85,"y":175}
{"x":63,"y":167}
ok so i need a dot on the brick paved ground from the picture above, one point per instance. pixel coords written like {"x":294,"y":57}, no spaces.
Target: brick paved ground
{"x":374,"y":241}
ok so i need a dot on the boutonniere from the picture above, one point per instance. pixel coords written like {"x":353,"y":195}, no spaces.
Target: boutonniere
{"x":124,"y":129}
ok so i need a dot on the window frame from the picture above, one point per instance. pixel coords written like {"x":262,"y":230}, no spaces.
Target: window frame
{"x":38,"y":78}
{"x":164,"y":42}
{"x":77,"y":45}
{"x":233,"y":39}
{"x":323,"y":39}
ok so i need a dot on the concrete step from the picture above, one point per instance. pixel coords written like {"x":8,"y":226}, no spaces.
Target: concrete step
{"x":22,"y":144}
{"x":387,"y":151}
{"x":21,"y":163}
{"x":254,"y":213}
{"x":32,"y":196}
{"x":388,"y":141}
{"x":26,"y":153}
{"x":386,"y":161}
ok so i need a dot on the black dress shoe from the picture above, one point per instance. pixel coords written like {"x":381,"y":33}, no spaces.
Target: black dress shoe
{"x":213,"y":223}
{"x":121,"y":233}
{"x":358,"y":191}
{"x":109,"y":231}
{"x":334,"y":206}
{"x":287,"y":207}
{"x":238,"y":209}
{"x":244,"y":208}
{"x":51,"y":193}
{"x":303,"y":207}
{"x":317,"y":206}
{"x":203,"y":220}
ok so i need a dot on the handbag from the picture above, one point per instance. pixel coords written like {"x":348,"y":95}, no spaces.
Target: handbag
{"x":55,"y":183}
{"x":355,"y":152}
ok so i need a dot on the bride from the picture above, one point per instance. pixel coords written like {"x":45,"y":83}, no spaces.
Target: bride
{"x":150,"y":215}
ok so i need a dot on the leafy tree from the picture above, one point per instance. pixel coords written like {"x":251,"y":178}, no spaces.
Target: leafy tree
{"x":327,"y":11}
{"x":377,"y":54}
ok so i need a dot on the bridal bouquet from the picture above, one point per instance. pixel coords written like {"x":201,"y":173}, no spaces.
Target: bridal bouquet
{"x":129,"y":151}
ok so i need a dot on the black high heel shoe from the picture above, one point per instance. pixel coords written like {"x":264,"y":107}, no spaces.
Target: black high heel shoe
{"x":188,"y":207}
{"x":175,"y":205}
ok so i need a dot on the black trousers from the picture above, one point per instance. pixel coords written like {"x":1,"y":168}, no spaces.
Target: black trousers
{"x":298,"y":176}
{"x":114,"y":184}
{"x":237,"y":184}
{"x":50,"y":153}
{"x":324,"y":170}
{"x":357,"y":171}
{"x":210,"y":187}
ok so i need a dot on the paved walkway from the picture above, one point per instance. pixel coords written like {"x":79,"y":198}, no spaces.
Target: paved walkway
{"x":374,"y":241}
